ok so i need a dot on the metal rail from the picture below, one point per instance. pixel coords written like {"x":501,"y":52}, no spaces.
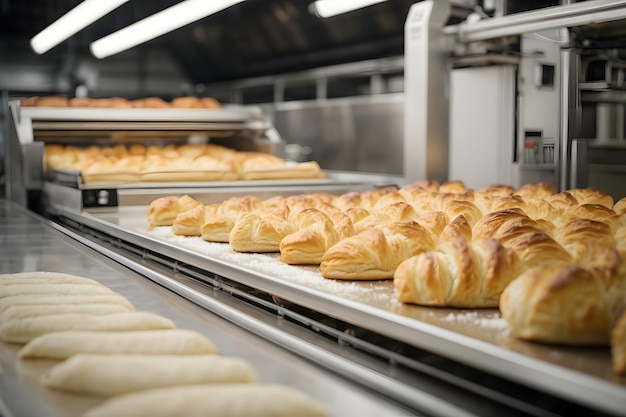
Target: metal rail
{"x":577,"y":14}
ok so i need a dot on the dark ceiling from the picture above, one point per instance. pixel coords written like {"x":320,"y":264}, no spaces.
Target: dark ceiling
{"x":253,"y":38}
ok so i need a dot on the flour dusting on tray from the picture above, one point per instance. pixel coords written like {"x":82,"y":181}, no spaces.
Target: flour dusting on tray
{"x":373,"y":292}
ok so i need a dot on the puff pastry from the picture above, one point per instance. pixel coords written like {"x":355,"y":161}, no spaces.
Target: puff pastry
{"x":163,"y":210}
{"x":316,"y":233}
{"x":189,"y":223}
{"x":563,"y":304}
{"x":62,"y":345}
{"x":459,"y":274}
{"x":376,"y":252}
{"x":23,"y":330}
{"x":224,"y":400}
{"x":254,"y":233}
{"x":109,"y":375}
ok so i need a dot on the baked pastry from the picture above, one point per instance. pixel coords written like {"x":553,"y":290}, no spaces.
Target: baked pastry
{"x":315,"y":234}
{"x":163,"y":211}
{"x":109,"y":375}
{"x":62,"y":345}
{"x":563,"y":304}
{"x":79,"y":102}
{"x":224,"y":400}
{"x":210,"y":103}
{"x":150,"y":103}
{"x":188,"y":223}
{"x":51,"y":101}
{"x":111,"y":102}
{"x":220,"y":219}
{"x":188,"y":102}
{"x":460,"y":273}
{"x":376,"y":252}
{"x":618,"y":345}
{"x":23,"y":330}
{"x":254,"y":233}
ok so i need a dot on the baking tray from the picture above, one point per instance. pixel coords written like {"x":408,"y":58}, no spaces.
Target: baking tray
{"x":31,"y":243}
{"x":476,"y":337}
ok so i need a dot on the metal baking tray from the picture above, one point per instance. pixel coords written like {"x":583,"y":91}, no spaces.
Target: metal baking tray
{"x":37,"y":244}
{"x":476,"y":337}
{"x":69,"y":193}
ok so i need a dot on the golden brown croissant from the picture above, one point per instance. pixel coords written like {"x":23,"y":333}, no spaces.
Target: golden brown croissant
{"x":591,"y":196}
{"x":220,"y":219}
{"x":460,"y":273}
{"x":376,"y":252}
{"x":254,"y":233}
{"x":306,"y":246}
{"x":188,"y":223}
{"x":563,"y":304}
{"x":163,"y":211}
{"x":537,"y":190}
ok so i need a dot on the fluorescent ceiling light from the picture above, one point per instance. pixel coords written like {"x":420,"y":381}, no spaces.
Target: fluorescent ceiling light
{"x":76,"y":19}
{"x":328,"y":8}
{"x":158,"y":24}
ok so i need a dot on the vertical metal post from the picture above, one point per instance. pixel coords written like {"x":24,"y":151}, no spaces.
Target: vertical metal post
{"x":426,"y":92}
{"x":570,"y":114}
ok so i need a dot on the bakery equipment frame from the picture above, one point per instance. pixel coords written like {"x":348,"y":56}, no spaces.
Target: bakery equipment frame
{"x":437,"y":362}
{"x":548,"y":53}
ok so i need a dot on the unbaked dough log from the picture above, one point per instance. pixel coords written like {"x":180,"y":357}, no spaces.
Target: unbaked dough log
{"x":227,"y":400}
{"x":109,"y":375}
{"x":62,"y":345}
{"x":40,"y":299}
{"x":23,"y":311}
{"x":25,"y":329}
{"x":60,"y":289}
{"x":43,"y":277}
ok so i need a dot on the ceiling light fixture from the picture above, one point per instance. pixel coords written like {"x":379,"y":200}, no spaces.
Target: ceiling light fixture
{"x":67,"y":25}
{"x":158,"y":24}
{"x":328,"y":8}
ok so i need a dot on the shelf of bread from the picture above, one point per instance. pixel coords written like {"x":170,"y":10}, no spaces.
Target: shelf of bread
{"x":123,"y":163}
{"x":42,"y":118}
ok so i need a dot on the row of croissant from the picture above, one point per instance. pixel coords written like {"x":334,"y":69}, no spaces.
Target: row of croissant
{"x":554,"y":263}
{"x":172,"y":162}
{"x":129,"y":362}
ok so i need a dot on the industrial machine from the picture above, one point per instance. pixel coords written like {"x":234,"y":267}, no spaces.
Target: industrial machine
{"x":504,"y":98}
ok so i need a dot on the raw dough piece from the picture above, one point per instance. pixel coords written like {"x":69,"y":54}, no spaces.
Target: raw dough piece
{"x":40,"y":299}
{"x":60,"y":289}
{"x":62,"y":345}
{"x":23,"y":311}
{"x":108,"y":375}
{"x":42,"y":277}
{"x":25,"y":329}
{"x":227,"y":400}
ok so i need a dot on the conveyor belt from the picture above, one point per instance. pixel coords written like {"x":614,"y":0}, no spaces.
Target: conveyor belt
{"x":477,"y":338}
